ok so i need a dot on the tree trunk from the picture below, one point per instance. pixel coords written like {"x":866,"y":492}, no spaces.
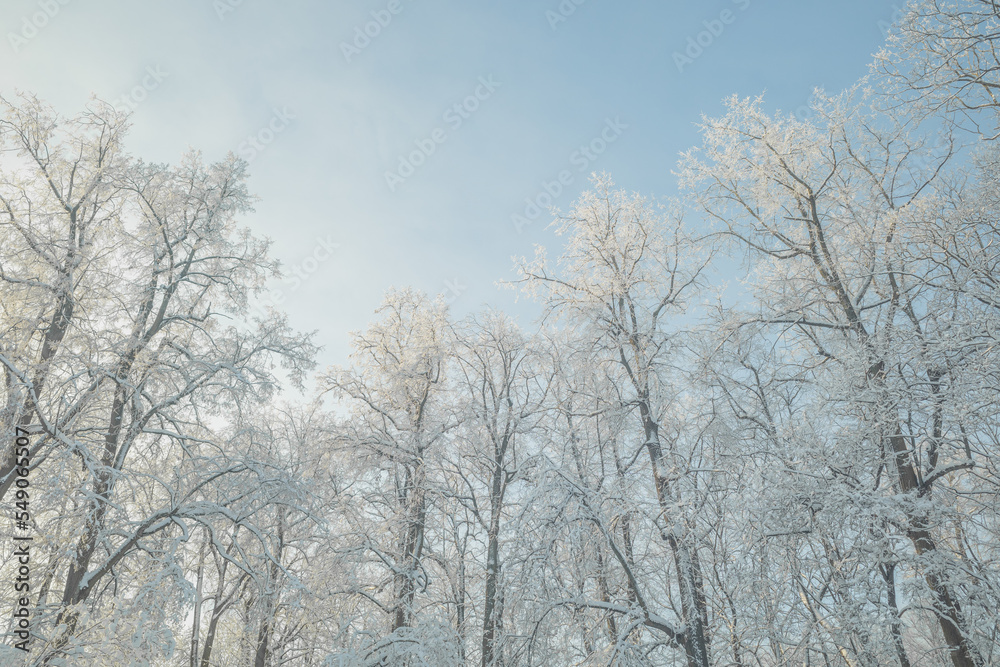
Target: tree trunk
{"x":460,"y":596}
{"x":949,"y":611}
{"x":602,"y":587}
{"x":411,"y":546}
{"x":889,"y":575}
{"x":269,"y":599}
{"x":689,"y":577}
{"x":219,"y":607}
{"x":75,"y":590}
{"x":196,"y":621}
{"x":492,"y":610}
{"x":54,"y":335}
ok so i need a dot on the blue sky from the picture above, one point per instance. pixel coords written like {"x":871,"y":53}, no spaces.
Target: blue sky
{"x":332,"y":110}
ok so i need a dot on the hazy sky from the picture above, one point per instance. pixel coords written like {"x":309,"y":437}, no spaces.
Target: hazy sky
{"x":409,"y":133}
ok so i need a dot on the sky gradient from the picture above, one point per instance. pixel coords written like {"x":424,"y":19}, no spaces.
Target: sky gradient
{"x":401,"y":156}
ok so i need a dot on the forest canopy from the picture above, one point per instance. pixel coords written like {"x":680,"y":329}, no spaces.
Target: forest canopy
{"x":657,"y":472}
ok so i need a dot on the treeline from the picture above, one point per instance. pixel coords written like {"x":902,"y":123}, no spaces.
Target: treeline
{"x":758,"y":425}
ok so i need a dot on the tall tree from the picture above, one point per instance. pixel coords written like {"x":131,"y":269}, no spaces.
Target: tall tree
{"x":625,"y":271}
{"x":131,"y":374}
{"x":397,"y":398}
{"x":832,"y":213}
{"x":503,"y":386}
{"x":61,"y":197}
